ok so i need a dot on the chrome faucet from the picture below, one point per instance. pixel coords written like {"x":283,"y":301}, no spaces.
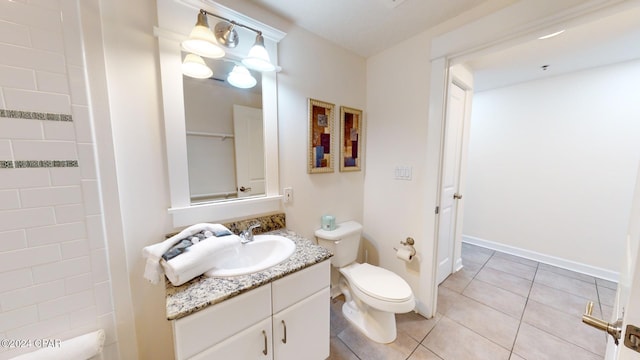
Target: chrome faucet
{"x":247,"y":234}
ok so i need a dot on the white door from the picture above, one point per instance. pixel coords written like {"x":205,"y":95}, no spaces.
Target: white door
{"x":249,"y":146}
{"x":449,"y":193}
{"x":627,"y":304}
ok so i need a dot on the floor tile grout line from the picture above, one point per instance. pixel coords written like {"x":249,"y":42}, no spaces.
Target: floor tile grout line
{"x":526,"y":302}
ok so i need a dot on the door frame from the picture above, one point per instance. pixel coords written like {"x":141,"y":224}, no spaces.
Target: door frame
{"x":462,"y":77}
{"x":476,"y":38}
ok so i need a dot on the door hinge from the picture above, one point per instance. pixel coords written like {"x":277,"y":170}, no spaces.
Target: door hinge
{"x":437,"y":210}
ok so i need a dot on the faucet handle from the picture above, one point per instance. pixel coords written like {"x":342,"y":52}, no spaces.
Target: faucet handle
{"x":256,"y":225}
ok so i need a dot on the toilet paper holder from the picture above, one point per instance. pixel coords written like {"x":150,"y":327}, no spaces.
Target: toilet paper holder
{"x":409,"y":243}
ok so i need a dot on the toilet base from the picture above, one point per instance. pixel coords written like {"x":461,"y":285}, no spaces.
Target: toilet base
{"x":379,"y":326}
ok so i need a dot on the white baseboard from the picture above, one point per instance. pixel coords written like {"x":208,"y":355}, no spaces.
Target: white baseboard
{"x":546,"y":259}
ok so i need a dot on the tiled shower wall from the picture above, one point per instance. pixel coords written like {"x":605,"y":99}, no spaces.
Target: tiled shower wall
{"x":54,"y":278}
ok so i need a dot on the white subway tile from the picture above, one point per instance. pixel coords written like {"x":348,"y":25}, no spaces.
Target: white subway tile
{"x":91,"y":197}
{"x":31,"y":100}
{"x":31,"y":295}
{"x":49,"y":40}
{"x":44,"y":150}
{"x":59,"y":130}
{"x":108,"y":323}
{"x":69,"y":213}
{"x":29,"y":58}
{"x":52,"y":82}
{"x":82,"y":121}
{"x":47,"y":329}
{"x":103,"y":298}
{"x":51,"y":196}
{"x":49,"y":4}
{"x":65,"y":176}
{"x":95,"y":232}
{"x":87,"y":161}
{"x":13,"y":240}
{"x":78,"y":85}
{"x":19,"y":259}
{"x":25,"y":218}
{"x":21,"y":129}
{"x":61,"y":269}
{"x":99,"y":266}
{"x":74,"y":249}
{"x":9,"y":200}
{"x":14,"y":34}
{"x":38,"y":16}
{"x":15,"y":279}
{"x":5,"y":150}
{"x":71,"y":29}
{"x":84,"y":318}
{"x":20,"y":317}
{"x":61,"y":233}
{"x":23,"y":178}
{"x":17,"y":77}
{"x":66,"y":304}
{"x":78,"y":283}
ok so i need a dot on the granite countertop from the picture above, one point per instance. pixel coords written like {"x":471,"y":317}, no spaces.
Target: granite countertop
{"x":203,"y":291}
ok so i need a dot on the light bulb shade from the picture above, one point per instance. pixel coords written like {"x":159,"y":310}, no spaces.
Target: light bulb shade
{"x":201,"y":41}
{"x":258,"y":57}
{"x":195,"y":67}
{"x":240,"y":77}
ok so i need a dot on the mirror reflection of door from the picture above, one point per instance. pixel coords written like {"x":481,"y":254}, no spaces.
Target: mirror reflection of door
{"x":249,"y":146}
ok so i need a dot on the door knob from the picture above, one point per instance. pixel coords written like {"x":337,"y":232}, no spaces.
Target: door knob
{"x":457,"y":196}
{"x":615,"y":329}
{"x":244,"y":189}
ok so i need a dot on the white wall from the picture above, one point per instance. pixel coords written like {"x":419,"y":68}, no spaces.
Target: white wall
{"x":314,"y":68}
{"x":54,"y":275}
{"x":552,"y":165}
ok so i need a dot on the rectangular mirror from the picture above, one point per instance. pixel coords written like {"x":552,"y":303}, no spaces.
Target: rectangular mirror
{"x":203,"y":187}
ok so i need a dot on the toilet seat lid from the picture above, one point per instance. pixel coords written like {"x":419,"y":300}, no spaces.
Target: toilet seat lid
{"x":380,"y":283}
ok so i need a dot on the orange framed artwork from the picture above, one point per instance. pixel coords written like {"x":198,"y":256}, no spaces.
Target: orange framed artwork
{"x":350,"y":139}
{"x":320,"y":152}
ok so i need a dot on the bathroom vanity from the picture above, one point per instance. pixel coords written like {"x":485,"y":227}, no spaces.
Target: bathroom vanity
{"x":278,"y":313}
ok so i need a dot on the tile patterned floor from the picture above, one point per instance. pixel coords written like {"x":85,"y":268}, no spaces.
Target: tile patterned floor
{"x":498,"y":306}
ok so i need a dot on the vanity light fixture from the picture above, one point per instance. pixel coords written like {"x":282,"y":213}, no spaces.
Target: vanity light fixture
{"x":240,"y":77}
{"x":548,"y":36}
{"x":195,"y":67}
{"x":258,"y":58}
{"x":201,"y":40}
{"x":225,"y":34}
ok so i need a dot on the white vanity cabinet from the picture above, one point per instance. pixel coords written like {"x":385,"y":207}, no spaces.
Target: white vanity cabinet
{"x":281,"y":320}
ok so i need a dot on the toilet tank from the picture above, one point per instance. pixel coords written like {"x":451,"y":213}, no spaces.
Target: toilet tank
{"x":343,"y":242}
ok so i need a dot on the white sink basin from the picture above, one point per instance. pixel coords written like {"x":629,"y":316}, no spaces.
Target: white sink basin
{"x":263,"y":252}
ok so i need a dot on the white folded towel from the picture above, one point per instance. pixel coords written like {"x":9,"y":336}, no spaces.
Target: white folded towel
{"x":195,"y":261}
{"x":153,"y":253}
{"x":78,"y":348}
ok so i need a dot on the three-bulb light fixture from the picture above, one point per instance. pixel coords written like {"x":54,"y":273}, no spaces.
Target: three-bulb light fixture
{"x":203,"y":42}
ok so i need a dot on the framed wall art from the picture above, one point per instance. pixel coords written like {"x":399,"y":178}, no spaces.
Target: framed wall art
{"x":350,"y":139}
{"x":320,"y":155}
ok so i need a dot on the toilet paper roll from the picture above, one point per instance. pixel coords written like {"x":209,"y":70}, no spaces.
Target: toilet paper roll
{"x":404,"y":254}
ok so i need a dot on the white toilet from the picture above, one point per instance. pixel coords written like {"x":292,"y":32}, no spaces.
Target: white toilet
{"x":373,"y":295}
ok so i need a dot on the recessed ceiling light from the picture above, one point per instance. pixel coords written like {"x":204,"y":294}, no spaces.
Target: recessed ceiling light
{"x":551,"y":35}
{"x":392,"y":3}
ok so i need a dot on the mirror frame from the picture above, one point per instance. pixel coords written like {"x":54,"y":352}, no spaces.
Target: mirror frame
{"x":175,"y":19}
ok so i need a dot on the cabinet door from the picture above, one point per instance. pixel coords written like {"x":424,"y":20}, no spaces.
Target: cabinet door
{"x":301,"y":331}
{"x":252,"y":343}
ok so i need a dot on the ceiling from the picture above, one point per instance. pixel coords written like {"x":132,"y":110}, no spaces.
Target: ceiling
{"x":604,"y":41}
{"x":368,"y":27}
